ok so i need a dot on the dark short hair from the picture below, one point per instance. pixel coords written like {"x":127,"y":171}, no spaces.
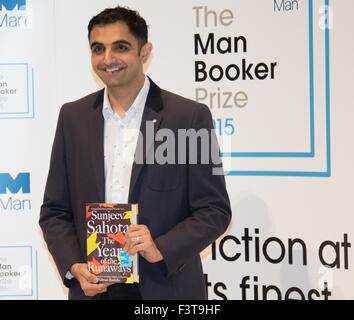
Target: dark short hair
{"x":136,"y":24}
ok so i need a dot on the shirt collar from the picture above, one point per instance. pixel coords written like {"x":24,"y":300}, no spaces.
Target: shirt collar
{"x":137,"y":106}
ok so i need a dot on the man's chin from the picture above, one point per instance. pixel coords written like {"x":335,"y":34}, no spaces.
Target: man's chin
{"x":110,"y":83}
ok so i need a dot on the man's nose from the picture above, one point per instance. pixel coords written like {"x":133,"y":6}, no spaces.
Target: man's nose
{"x":108,"y":57}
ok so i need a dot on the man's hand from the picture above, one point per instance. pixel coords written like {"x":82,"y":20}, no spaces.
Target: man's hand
{"x":138,"y":240}
{"x":88,"y":281}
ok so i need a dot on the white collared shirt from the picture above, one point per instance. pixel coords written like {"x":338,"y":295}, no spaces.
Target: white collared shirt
{"x":120,"y":139}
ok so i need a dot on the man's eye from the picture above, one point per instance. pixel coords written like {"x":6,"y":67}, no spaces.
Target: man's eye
{"x":98,"y":49}
{"x":120,"y":48}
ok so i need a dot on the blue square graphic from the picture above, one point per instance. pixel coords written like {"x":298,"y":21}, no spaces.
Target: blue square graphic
{"x":29,"y":104}
{"x":3,"y":293}
{"x":310,"y":154}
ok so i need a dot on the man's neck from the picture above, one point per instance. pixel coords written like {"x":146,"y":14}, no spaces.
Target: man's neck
{"x":122,"y":98}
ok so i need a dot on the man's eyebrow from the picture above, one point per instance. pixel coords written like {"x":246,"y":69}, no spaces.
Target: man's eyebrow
{"x":122,"y":42}
{"x":96,"y":43}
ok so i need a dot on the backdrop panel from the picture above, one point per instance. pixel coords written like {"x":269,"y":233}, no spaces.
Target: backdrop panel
{"x":276,"y":76}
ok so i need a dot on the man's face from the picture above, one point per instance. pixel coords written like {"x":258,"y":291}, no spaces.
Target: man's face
{"x":115,"y":55}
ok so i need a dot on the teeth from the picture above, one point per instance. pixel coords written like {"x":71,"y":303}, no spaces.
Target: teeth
{"x":113,"y":69}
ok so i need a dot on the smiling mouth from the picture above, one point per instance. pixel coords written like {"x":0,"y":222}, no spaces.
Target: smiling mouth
{"x":113,"y":70}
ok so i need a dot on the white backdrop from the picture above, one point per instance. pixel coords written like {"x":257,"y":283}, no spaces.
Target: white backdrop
{"x":285,"y":134}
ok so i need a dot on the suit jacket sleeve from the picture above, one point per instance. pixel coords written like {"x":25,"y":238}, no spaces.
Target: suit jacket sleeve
{"x":56,"y":219}
{"x":209,"y":207}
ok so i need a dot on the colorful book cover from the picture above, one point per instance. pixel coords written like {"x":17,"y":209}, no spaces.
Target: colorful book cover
{"x":106,"y":228}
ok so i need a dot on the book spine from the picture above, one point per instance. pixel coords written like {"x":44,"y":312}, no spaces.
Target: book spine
{"x":135,"y":258}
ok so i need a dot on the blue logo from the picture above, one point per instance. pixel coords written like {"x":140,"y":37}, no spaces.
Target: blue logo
{"x":11,"y":4}
{"x":22,"y":181}
{"x":125,"y":259}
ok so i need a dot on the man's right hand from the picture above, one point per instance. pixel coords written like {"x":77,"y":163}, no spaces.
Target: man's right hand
{"x":88,"y":281}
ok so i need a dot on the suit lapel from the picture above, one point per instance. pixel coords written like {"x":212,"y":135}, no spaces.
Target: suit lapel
{"x":96,"y":145}
{"x":145,"y":145}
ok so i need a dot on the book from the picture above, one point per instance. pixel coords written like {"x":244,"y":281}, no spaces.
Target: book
{"x":106,"y":228}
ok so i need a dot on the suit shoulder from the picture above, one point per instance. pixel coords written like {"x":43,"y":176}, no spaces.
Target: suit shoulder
{"x":182,"y":104}
{"x":83,"y":103}
{"x":181,"y":112}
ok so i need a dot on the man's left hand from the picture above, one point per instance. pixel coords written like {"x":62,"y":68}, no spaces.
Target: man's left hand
{"x":138,"y":240}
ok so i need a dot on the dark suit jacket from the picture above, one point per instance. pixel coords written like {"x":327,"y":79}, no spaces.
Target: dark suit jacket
{"x":185,"y":206}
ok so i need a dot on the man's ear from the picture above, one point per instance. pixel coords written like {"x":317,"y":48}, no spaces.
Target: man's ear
{"x":145,"y":52}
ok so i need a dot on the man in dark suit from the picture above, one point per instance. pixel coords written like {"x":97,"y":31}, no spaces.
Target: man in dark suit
{"x":183,"y":205}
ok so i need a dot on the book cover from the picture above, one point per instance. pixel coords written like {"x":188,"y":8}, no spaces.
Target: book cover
{"x":106,"y":227}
